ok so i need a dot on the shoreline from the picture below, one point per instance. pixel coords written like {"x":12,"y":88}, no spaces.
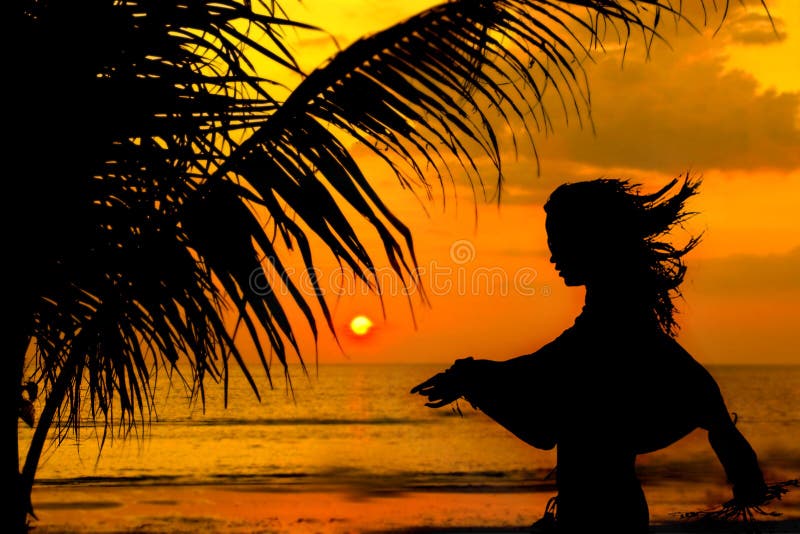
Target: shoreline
{"x":237,"y":508}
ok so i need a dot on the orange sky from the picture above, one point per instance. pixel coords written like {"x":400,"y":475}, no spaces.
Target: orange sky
{"x":724,"y":106}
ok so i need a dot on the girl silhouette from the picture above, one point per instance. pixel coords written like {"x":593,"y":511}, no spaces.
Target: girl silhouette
{"x":615,"y":384}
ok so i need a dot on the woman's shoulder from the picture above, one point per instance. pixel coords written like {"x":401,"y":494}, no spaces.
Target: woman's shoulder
{"x":672,"y":361}
{"x":549,"y":355}
{"x":669,"y":346}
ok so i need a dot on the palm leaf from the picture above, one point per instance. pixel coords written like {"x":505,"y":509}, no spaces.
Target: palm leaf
{"x":435,"y":82}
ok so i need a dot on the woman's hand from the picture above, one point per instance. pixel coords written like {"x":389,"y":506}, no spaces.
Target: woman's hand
{"x":440,"y":389}
{"x":444,"y":388}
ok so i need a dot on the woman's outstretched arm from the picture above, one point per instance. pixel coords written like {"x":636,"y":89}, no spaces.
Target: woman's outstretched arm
{"x":518,"y":394}
{"x":739,"y":461}
{"x":701,"y":404}
{"x":462,"y":379}
{"x":732,"y":449}
{"x":482,"y":382}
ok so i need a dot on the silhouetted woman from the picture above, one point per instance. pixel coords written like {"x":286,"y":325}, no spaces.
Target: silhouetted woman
{"x":615,"y":384}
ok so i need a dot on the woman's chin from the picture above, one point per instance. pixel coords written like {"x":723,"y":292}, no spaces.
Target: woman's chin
{"x":572,"y":281}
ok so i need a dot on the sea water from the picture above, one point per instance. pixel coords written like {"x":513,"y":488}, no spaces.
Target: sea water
{"x":357,"y":427}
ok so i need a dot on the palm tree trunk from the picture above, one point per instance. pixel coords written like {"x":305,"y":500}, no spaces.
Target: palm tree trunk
{"x":55,"y":398}
{"x":13,"y":503}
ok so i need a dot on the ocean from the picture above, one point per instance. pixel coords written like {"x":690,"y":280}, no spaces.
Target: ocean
{"x":356,"y":427}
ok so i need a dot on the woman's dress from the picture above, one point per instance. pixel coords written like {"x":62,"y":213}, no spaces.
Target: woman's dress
{"x":610,"y":387}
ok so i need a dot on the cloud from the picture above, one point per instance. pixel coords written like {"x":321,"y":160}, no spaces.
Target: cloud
{"x":756,"y":29}
{"x":746,"y":274}
{"x":679,"y":107}
{"x":328,"y":42}
{"x":683,"y":110}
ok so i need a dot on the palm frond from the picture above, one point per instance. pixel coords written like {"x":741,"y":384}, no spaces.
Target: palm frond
{"x":128,"y":265}
{"x":434,"y":86}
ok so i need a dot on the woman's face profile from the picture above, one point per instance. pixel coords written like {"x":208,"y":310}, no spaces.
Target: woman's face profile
{"x":571,"y":253}
{"x":576,"y":249}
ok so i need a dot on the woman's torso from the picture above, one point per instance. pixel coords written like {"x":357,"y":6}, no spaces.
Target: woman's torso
{"x":621,"y":379}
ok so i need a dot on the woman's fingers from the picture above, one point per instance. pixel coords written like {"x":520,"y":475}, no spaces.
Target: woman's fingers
{"x":431,"y":382}
{"x":438,"y":404}
{"x":438,"y":397}
{"x":439,"y":390}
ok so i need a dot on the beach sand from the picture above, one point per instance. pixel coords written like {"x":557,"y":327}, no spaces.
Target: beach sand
{"x":255,"y":509}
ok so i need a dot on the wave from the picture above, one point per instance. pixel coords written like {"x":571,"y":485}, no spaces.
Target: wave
{"x":340,"y":478}
{"x":312,"y":421}
{"x":346,"y":478}
{"x":308,"y":421}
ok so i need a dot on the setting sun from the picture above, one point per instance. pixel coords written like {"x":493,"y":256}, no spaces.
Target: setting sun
{"x":360,"y":325}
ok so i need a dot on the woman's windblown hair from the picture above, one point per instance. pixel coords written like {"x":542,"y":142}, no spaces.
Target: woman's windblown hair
{"x":633,"y":227}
